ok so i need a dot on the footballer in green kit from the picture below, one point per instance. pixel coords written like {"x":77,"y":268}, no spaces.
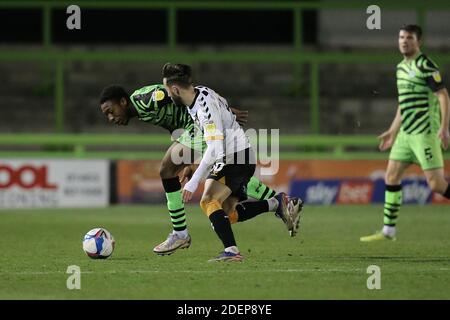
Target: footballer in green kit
{"x":420,"y":128}
{"x":153,"y":105}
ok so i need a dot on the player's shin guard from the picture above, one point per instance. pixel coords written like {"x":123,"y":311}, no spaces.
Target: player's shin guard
{"x":392,"y":203}
{"x":257,"y":190}
{"x":172,"y":187}
{"x":222,"y":227}
{"x":447,"y":192}
{"x":250,"y":209}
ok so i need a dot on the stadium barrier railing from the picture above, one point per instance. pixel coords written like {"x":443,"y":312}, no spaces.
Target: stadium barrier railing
{"x":153,"y":146}
{"x":296,"y":56}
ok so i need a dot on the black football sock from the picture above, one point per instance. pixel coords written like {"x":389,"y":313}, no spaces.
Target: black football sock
{"x":222,"y":227}
{"x":250,"y":209}
{"x":447,"y":192}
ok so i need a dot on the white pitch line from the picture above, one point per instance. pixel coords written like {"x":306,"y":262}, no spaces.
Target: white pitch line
{"x":181,"y":271}
{"x":350,"y":270}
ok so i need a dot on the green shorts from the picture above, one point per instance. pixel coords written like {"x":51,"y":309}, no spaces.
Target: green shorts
{"x":423,"y":149}
{"x":193,"y":139}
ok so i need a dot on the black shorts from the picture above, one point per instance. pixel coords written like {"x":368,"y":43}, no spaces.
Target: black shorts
{"x":234,"y":176}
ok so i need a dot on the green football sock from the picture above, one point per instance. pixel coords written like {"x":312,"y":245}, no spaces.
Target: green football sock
{"x":258,"y":190}
{"x":392,"y":203}
{"x":176,"y":210}
{"x":172,"y":187}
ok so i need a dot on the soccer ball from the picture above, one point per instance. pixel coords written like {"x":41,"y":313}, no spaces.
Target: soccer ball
{"x":98,"y":243}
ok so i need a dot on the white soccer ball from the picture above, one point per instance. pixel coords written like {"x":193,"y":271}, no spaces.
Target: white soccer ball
{"x":98,"y":243}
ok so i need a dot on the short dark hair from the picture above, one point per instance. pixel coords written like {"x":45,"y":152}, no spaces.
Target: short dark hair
{"x":413,"y":28}
{"x":178,"y":73}
{"x":113,"y":93}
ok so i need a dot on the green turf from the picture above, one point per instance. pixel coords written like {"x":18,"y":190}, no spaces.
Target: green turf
{"x":326,"y":261}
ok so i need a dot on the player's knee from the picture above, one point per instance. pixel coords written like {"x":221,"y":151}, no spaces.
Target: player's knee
{"x":437,"y":186}
{"x":209,"y":205}
{"x":392,"y":178}
{"x":167,"y":170}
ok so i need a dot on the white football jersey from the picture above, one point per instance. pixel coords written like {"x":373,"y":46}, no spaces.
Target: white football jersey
{"x":211,"y":113}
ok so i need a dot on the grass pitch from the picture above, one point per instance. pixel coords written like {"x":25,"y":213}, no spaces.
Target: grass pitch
{"x":325,"y":261}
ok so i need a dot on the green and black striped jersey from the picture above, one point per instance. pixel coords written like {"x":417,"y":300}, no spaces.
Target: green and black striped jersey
{"x":154,"y":105}
{"x":417,"y":80}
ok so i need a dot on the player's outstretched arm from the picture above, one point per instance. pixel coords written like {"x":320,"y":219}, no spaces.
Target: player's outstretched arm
{"x":387,"y":138}
{"x":444,"y":104}
{"x":213,"y":149}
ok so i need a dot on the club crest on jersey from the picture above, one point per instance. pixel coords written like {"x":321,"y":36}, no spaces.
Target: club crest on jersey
{"x":158,"y":95}
{"x":437,"y":76}
{"x":411,"y":74}
{"x":210,"y":127}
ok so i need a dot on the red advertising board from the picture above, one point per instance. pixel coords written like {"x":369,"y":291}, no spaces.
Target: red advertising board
{"x":45,"y":183}
{"x":138,"y":181}
{"x":438,"y":199}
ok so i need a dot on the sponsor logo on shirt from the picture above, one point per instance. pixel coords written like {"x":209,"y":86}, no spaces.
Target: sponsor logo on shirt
{"x":158,"y":95}
{"x":437,"y":76}
{"x":210,"y":127}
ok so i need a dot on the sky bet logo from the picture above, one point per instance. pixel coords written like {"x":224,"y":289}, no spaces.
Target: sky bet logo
{"x":355,"y":192}
{"x":323,"y":192}
{"x":416,"y":192}
{"x":334,"y":191}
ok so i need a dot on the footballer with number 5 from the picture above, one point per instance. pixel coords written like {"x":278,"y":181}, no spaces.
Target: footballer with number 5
{"x":228,"y":162}
{"x":419,"y":130}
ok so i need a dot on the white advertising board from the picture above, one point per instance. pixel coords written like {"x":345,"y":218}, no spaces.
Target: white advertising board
{"x":42,"y":183}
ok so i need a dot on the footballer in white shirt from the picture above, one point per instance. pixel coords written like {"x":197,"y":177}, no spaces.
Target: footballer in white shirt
{"x":227,"y":164}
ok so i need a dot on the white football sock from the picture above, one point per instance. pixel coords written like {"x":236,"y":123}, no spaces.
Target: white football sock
{"x":389,"y":231}
{"x":183,"y":234}
{"x":273,"y":204}
{"x":232,"y":249}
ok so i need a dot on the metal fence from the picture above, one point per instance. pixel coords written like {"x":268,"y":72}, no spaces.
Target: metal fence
{"x":295,"y":55}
